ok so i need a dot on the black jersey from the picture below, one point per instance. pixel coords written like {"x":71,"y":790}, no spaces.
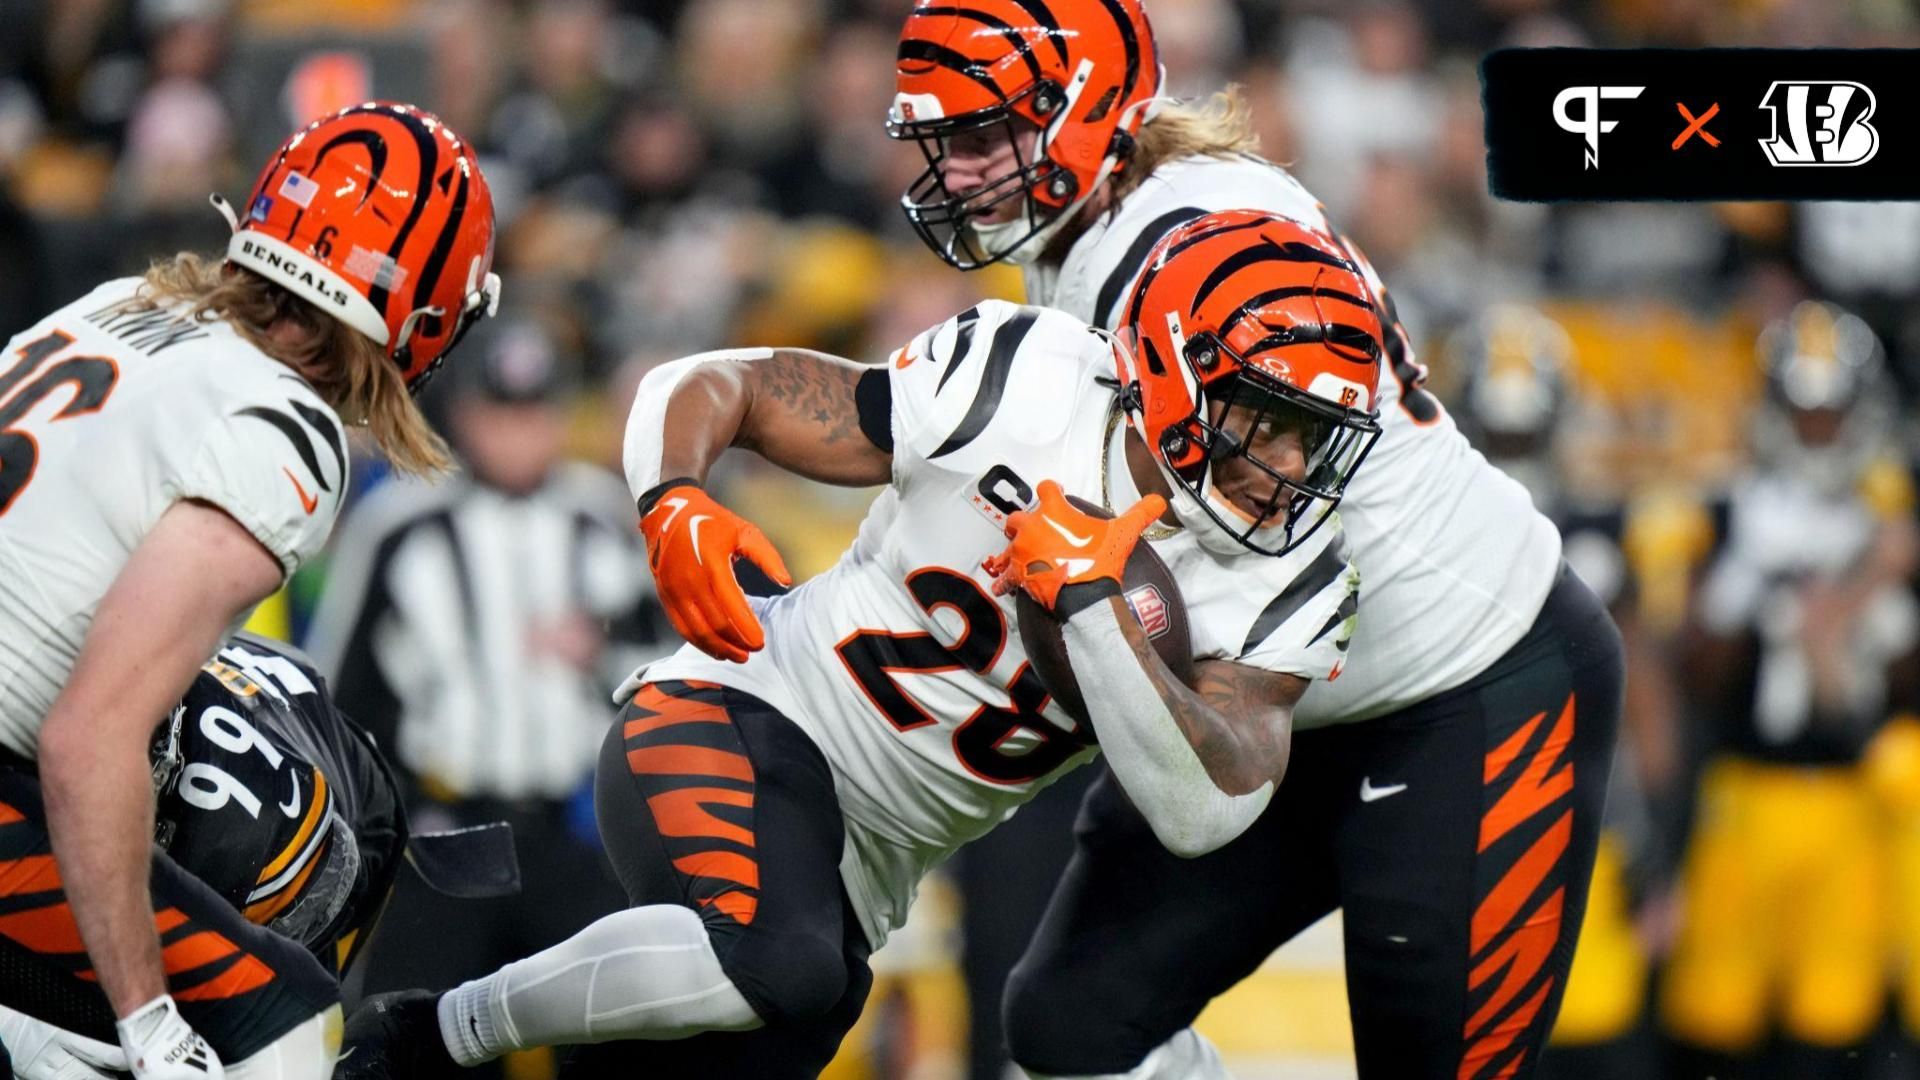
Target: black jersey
{"x":277,"y":800}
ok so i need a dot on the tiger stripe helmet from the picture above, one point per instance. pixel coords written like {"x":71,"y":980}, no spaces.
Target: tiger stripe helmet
{"x":1084,"y":72}
{"x":379,"y":216}
{"x":1241,"y":319}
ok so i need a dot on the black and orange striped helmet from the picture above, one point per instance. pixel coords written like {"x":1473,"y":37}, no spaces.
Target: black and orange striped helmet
{"x":379,"y":216}
{"x":1083,"y":72}
{"x":1244,"y":322}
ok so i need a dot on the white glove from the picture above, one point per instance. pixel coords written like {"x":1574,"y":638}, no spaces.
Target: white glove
{"x":161,"y":1045}
{"x":41,"y":1051}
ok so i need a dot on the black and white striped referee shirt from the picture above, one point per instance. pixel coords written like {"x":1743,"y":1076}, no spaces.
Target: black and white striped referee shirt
{"x":438,"y":606}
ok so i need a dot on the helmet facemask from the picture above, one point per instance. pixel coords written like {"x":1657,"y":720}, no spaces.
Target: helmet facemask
{"x":1250,"y":363}
{"x":1300,"y":447}
{"x":1295,"y":446}
{"x":1086,"y":73}
{"x":481,"y":301}
{"x":1050,"y":194}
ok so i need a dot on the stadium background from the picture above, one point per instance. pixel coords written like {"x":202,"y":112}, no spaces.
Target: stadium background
{"x":676,"y":175}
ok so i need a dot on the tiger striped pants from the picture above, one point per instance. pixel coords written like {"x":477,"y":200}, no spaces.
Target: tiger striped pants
{"x":710,"y":799}
{"x":1457,"y":835}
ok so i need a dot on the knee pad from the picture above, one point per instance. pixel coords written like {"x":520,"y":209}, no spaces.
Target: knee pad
{"x":640,"y":973}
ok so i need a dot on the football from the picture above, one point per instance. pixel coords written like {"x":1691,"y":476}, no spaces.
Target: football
{"x":1151,"y":593}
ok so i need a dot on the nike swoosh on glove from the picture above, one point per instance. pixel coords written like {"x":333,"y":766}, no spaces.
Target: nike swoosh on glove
{"x":1056,"y":544}
{"x":691,"y":544}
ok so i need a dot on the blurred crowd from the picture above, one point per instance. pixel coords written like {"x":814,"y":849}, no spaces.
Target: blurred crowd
{"x":678,"y":175}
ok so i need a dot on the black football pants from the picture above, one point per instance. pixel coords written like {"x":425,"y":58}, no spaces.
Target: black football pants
{"x":1458,"y":835}
{"x":710,"y":799}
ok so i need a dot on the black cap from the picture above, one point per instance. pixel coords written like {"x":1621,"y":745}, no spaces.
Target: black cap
{"x":517,"y":362}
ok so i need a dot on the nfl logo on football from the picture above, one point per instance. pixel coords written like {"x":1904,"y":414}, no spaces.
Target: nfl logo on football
{"x":1150,"y":608}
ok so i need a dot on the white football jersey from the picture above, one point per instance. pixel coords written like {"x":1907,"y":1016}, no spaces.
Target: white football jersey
{"x":1455,"y":559}
{"x":107,"y":418}
{"x":904,"y":668}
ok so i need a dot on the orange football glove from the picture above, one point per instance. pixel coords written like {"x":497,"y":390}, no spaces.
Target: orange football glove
{"x":1056,"y":544}
{"x":691,"y":544}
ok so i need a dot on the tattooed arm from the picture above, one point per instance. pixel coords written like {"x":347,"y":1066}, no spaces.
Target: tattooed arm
{"x":795,"y":408}
{"x":1237,"y":719}
{"x":1200,"y":765}
{"x":799,"y":410}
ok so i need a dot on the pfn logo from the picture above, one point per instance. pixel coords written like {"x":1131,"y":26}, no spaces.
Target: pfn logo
{"x":1588,"y":124}
{"x":1825,"y":124}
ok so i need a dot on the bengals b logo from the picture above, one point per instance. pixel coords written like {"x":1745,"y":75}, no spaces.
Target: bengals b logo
{"x":1820,"y":123}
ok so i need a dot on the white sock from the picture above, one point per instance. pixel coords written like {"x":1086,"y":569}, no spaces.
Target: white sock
{"x":466,"y":1022}
{"x":643,"y":973}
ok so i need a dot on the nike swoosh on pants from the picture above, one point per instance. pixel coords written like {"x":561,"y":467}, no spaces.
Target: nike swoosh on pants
{"x":1369,"y":793}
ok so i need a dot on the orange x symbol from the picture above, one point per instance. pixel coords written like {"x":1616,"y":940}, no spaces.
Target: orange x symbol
{"x":1697,"y":125}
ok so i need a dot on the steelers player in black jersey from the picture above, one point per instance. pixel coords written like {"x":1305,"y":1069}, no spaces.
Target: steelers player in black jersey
{"x":1806,"y":639}
{"x":270,"y":796}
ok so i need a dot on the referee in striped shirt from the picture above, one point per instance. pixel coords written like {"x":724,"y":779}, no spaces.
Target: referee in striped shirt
{"x":477,"y":627}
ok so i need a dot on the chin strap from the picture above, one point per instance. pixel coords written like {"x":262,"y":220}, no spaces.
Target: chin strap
{"x":482,"y":294}
{"x":413,"y":319}
{"x":1150,"y":106}
{"x":1206,"y":529}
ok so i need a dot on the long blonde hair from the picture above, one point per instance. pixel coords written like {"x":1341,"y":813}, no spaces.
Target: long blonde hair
{"x":1221,"y":125}
{"x":348,"y":369}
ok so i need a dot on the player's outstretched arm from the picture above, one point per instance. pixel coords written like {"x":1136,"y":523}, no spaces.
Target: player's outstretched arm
{"x":193,"y":574}
{"x":800,"y":410}
{"x":1200,"y":765}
